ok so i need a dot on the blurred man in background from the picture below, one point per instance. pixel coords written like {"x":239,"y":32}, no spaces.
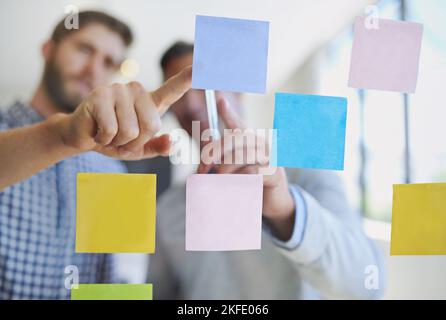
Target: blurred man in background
{"x":313,"y":245}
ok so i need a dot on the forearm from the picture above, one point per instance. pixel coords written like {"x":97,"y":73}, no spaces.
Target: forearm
{"x":28,"y":150}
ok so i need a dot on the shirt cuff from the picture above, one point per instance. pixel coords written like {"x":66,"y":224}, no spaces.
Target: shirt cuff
{"x":299,"y":222}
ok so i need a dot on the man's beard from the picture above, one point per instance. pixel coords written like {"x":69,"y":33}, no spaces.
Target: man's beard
{"x":54,"y":85}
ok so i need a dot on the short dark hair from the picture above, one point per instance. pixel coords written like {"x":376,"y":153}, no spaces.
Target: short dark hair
{"x":89,"y":17}
{"x":177,"y":50}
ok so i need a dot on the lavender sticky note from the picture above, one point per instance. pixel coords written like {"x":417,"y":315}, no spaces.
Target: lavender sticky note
{"x":223,"y":212}
{"x":230,"y":54}
{"x":310,"y":131}
{"x":386,"y":58}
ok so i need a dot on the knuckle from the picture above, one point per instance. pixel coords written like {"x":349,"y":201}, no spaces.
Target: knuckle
{"x":141,"y":99}
{"x":108,"y":131}
{"x":119,"y":89}
{"x":118,"y":86}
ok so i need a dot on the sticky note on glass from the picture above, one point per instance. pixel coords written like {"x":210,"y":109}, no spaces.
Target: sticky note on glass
{"x":112,"y":292}
{"x":223,"y":212}
{"x":230,"y":54}
{"x":115,"y":213}
{"x":386,"y":58}
{"x":419,"y":219}
{"x":310,"y":131}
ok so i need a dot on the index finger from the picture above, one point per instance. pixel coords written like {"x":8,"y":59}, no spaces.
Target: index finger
{"x":172,"y":90}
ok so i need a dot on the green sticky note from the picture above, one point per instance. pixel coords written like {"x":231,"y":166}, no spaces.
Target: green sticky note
{"x":112,"y":292}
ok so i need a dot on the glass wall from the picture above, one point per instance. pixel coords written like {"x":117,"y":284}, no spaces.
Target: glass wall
{"x":376,"y":155}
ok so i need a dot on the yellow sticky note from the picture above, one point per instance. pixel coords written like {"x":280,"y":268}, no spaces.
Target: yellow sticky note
{"x":419,"y":219}
{"x":112,"y":292}
{"x":115,"y":213}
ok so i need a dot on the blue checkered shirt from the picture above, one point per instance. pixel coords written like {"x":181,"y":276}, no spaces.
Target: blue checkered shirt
{"x":37,"y":225}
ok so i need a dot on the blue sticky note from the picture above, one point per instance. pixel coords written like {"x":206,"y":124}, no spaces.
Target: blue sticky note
{"x":230,"y":54}
{"x":310,"y":131}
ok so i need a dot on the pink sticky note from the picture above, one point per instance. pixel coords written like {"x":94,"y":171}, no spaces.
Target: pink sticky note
{"x":386,"y":58}
{"x":224,"y":212}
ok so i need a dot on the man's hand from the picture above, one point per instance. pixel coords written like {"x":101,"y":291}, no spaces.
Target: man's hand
{"x":122,"y":120}
{"x":278,"y":203}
